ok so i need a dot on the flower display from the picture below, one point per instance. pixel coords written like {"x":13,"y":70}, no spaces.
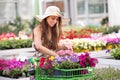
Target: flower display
{"x":87,"y":61}
{"x":14,"y":67}
{"x":69,"y":64}
{"x":73,"y":60}
{"x":45,"y":63}
{"x":3,"y":64}
{"x":9,"y":35}
{"x":67,"y":60}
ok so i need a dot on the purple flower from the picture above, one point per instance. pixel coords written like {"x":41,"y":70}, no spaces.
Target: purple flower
{"x":115,"y":40}
{"x":107,"y":51}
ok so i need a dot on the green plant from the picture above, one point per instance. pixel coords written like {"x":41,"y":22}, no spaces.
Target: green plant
{"x":104,"y":21}
{"x":67,"y":65}
{"x":116,"y":53}
{"x":4,"y":44}
{"x":110,"y":29}
{"x":14,"y":43}
{"x":109,"y":73}
{"x":33,"y":23}
{"x":6,"y":28}
{"x":15,"y":73}
{"x":17,"y":23}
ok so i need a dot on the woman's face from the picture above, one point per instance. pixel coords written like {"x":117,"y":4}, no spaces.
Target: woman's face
{"x":52,"y":20}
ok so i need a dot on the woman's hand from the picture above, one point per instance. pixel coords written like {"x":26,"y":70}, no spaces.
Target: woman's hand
{"x":66,"y":44}
{"x":64,"y":52}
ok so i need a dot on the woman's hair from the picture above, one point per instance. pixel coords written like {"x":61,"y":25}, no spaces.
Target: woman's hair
{"x":56,"y":32}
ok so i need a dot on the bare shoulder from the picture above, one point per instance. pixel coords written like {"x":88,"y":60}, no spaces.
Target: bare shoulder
{"x":37,"y":29}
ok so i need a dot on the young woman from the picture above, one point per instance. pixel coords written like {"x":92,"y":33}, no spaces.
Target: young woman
{"x":47,"y":34}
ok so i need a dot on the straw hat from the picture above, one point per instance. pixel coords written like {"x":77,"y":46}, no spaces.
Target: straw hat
{"x":50,"y":11}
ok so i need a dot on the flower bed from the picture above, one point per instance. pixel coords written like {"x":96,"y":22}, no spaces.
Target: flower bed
{"x":13,"y":68}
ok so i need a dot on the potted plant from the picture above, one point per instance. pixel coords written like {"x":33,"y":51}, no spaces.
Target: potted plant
{"x":73,"y":63}
{"x":3,"y":64}
{"x":98,"y":44}
{"x":45,"y":66}
{"x":14,"y":69}
{"x":116,"y":53}
{"x":67,"y":65}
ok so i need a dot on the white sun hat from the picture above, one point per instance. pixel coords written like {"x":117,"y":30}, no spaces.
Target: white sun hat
{"x":50,"y":11}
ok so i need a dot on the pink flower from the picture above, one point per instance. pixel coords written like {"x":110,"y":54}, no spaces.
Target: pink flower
{"x":87,"y":61}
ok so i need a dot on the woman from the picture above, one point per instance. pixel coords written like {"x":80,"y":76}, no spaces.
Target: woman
{"x":47,"y":34}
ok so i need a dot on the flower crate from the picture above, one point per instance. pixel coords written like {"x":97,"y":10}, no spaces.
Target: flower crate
{"x":64,"y":74}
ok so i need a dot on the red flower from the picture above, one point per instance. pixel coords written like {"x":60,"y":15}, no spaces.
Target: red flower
{"x":42,"y":60}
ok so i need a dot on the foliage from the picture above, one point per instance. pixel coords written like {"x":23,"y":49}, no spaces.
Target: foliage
{"x":109,"y":73}
{"x":111,"y":29}
{"x":14,"y":72}
{"x":33,"y":23}
{"x":116,"y":53}
{"x":104,"y":21}
{"x":14,"y":43}
{"x":18,"y":24}
{"x":5,"y":28}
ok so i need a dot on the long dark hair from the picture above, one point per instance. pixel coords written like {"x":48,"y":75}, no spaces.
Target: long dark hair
{"x":56,"y":32}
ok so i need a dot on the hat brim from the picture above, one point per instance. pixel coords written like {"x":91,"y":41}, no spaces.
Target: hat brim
{"x":41,"y":17}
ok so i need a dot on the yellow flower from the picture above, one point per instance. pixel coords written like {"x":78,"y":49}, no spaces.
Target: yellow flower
{"x":51,"y":58}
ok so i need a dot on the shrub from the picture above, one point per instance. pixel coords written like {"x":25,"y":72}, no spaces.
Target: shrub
{"x":116,"y":53}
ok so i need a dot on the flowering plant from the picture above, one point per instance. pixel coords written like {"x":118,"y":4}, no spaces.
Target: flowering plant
{"x":14,"y":67}
{"x":3,"y":64}
{"x":45,"y":63}
{"x":66,"y":62}
{"x":87,"y":61}
{"x":74,"y":60}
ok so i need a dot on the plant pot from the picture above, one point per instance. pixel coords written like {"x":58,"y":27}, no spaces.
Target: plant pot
{"x":57,"y":73}
{"x":30,"y":72}
{"x":109,"y":47}
{"x":26,"y":73}
{"x":97,"y":48}
{"x":16,"y":76}
{"x":1,"y":71}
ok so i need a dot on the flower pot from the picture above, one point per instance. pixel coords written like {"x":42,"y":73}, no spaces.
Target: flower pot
{"x":1,"y":71}
{"x":115,"y":46}
{"x":97,"y":48}
{"x":16,"y":76}
{"x":30,"y":72}
{"x":57,"y":73}
{"x":109,"y":47}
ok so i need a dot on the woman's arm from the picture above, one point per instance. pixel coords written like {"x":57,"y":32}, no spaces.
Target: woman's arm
{"x":38,"y":43}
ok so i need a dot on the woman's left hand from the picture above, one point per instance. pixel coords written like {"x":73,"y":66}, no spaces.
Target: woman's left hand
{"x":67,"y":46}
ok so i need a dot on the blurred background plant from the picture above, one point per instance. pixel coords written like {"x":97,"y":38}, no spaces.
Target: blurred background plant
{"x":109,"y":73}
{"x":19,"y":25}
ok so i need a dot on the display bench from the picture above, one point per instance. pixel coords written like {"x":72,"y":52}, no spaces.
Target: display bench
{"x":6,"y":78}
